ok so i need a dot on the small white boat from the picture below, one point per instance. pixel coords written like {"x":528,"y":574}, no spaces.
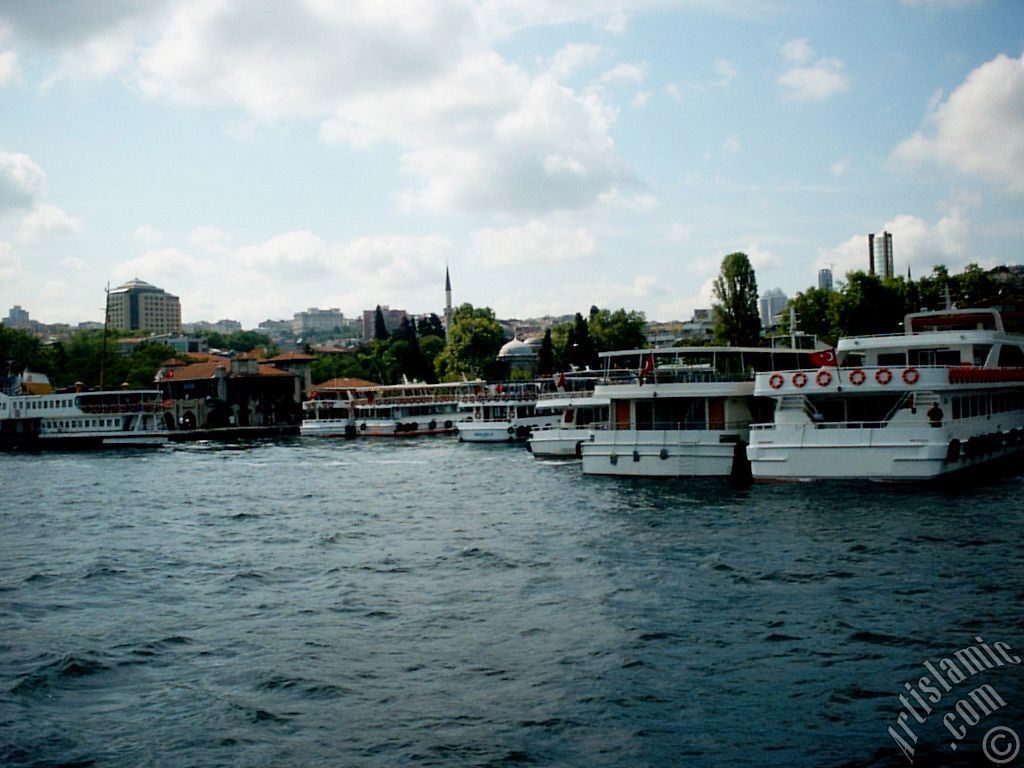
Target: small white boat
{"x":944,"y":396}
{"x":578,"y":413}
{"x":504,"y":413}
{"x":680,"y":411}
{"x":33,"y":416}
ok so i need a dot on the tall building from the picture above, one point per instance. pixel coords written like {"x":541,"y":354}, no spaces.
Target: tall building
{"x":139,"y":306}
{"x":880,"y":256}
{"x":392,"y":319}
{"x":314,"y":319}
{"x":825,"y":279}
{"x":772,"y":304}
{"x":17,"y":318}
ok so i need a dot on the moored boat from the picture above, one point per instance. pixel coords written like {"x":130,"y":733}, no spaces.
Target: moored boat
{"x":578,"y":412}
{"x":679,"y":411}
{"x":33,"y":416}
{"x":503,"y":413}
{"x":944,"y":396}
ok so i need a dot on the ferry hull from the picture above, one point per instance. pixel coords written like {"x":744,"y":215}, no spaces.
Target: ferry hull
{"x":503,"y":431}
{"x":627,"y":453}
{"x":803,"y":454}
{"x":558,"y":443}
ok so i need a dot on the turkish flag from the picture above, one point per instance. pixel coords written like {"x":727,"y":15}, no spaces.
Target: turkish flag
{"x":647,"y":367}
{"x":823,"y":358}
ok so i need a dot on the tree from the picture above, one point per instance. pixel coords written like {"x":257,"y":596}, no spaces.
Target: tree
{"x":816,"y":313}
{"x":581,"y":352}
{"x":19,"y":350}
{"x":737,"y":322}
{"x":474,"y":339}
{"x":617,"y":330}
{"x":380,"y":328}
{"x":546,"y":355}
{"x":431,"y":325}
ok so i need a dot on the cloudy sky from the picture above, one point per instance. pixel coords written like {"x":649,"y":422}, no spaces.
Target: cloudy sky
{"x":257,"y":158}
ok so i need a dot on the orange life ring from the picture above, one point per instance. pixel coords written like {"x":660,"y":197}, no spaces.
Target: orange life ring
{"x":910,"y":376}
{"x":857,"y":376}
{"x":883,"y":376}
{"x":799,"y":379}
{"x":776,"y":380}
{"x":824,"y":378}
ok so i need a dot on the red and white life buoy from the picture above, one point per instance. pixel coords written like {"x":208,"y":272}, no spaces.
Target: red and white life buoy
{"x":883,"y":376}
{"x":776,"y":380}
{"x":910,"y":376}
{"x":799,"y":379}
{"x":858,"y":377}
{"x":824,"y":378}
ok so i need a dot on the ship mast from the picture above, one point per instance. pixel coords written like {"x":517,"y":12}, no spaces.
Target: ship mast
{"x":106,"y":329}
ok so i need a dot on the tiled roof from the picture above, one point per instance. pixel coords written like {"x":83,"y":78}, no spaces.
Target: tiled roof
{"x":344,"y":384}
{"x":292,"y":357}
{"x":207,"y":370}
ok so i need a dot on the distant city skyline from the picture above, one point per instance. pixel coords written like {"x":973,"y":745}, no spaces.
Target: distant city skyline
{"x":260,"y":158}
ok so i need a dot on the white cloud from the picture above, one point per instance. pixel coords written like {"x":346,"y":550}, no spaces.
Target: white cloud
{"x":732,"y":146}
{"x":797,"y":51}
{"x":571,"y":58}
{"x":625,"y":73}
{"x":56,"y":292}
{"x":816,"y":82}
{"x":979,"y":129}
{"x":680,"y":233}
{"x":209,"y":239}
{"x":147,"y":234}
{"x":536,"y":242}
{"x":10,"y":264}
{"x":8,"y":67}
{"x":46,"y":221}
{"x":75,"y":264}
{"x":674,"y":91}
{"x":641,"y":99}
{"x":840,"y":167}
{"x":21,"y":181}
{"x":726,"y":71}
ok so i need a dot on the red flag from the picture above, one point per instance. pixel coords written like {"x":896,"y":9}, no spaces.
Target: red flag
{"x":824,"y":358}
{"x":561,"y":380}
{"x":647,"y":367}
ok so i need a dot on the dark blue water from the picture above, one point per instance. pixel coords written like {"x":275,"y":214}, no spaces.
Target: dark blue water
{"x":428,"y":603}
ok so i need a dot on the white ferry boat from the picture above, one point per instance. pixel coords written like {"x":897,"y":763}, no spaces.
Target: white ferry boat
{"x":327,"y":414}
{"x":33,"y":416}
{"x":945,"y":395}
{"x":399,"y":410}
{"x":680,"y":411}
{"x":577,"y":413}
{"x":503,"y":413}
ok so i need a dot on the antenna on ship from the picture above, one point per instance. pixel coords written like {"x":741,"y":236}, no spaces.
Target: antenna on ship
{"x":106,"y":328}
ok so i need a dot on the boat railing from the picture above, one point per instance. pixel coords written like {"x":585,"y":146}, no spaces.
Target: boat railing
{"x":674,"y":426}
{"x":662,"y":376}
{"x":830,"y":425}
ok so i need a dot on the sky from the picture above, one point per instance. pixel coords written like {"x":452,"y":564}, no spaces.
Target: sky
{"x":258,"y":158}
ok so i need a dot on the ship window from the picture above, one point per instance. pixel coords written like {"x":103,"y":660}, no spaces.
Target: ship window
{"x":981,"y":353}
{"x":956,"y":407}
{"x":892,"y":358}
{"x":1011,"y":356}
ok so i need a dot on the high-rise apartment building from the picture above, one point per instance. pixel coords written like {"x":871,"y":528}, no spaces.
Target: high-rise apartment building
{"x":880,"y":255}
{"x":772,"y":304}
{"x":825,"y":279}
{"x":139,"y":306}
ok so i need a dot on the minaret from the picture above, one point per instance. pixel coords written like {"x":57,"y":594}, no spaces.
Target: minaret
{"x":447,"y":299}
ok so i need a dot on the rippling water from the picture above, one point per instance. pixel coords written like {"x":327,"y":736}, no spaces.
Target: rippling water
{"x":423,"y":602}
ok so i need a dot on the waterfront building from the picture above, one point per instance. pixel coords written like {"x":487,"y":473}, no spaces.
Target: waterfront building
{"x":224,"y":327}
{"x":137,"y":306}
{"x":700,"y":326}
{"x":825,"y":279}
{"x":18,"y":318}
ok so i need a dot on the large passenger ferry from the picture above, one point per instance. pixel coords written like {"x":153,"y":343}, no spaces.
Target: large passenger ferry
{"x":33,"y":416}
{"x":503,"y":413}
{"x":945,"y":395}
{"x":680,"y":411}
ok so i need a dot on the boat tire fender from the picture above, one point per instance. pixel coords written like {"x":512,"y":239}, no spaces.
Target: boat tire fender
{"x":953,"y":451}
